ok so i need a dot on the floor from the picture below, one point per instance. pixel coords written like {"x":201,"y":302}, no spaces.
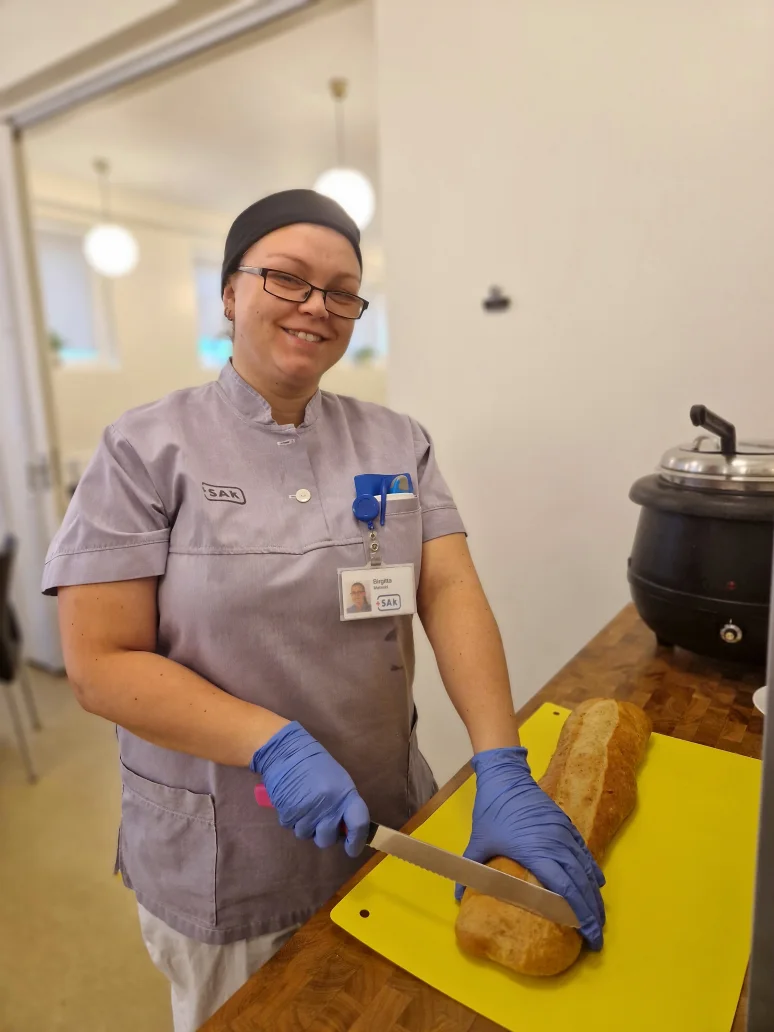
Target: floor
{"x":71,"y":956}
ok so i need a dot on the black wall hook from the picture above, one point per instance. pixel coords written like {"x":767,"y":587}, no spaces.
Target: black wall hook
{"x":496,"y":301}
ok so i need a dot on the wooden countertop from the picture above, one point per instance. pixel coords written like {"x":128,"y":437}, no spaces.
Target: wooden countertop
{"x":325,"y":981}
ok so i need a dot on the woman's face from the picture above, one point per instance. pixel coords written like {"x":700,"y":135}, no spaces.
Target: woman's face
{"x":266,"y":327}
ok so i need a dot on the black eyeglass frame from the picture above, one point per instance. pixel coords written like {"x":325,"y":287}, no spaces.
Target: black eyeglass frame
{"x":301,"y":300}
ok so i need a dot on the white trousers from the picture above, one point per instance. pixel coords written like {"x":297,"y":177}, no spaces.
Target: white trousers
{"x":202,"y":976}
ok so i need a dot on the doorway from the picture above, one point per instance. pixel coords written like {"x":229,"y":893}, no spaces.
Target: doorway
{"x":183,"y":152}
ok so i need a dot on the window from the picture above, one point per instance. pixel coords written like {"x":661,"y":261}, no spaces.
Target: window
{"x":368,"y":345}
{"x":70,"y":294}
{"x":213,"y":340}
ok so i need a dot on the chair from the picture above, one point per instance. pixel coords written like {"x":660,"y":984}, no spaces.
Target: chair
{"x":12,"y":666}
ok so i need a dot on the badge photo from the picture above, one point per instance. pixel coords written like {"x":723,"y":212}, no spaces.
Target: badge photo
{"x":371,"y":592}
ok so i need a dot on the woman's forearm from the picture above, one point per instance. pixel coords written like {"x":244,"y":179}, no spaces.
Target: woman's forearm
{"x":109,"y":636}
{"x":171,"y":706}
{"x":466,"y":640}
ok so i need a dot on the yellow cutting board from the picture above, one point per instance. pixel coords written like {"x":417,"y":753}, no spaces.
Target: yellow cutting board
{"x":679,"y":902}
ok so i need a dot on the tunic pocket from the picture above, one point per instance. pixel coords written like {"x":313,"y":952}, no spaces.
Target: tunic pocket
{"x":169,"y":846}
{"x":400,"y":538}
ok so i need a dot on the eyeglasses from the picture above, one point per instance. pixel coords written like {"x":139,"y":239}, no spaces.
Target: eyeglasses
{"x":293,"y":288}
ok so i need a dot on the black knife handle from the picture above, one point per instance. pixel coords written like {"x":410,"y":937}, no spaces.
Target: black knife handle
{"x":372,"y":830}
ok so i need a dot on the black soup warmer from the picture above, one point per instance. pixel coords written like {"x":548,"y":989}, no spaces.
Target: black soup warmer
{"x":700,"y":568}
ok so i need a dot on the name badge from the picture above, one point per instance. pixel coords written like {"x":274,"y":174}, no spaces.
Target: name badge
{"x":366,"y":593}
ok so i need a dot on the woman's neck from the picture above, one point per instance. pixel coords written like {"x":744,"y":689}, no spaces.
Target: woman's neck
{"x":288,"y":403}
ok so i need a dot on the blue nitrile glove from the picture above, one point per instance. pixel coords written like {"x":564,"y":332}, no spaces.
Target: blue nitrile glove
{"x":513,"y":817}
{"x":310,"y":791}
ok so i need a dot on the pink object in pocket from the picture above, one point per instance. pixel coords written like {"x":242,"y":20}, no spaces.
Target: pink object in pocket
{"x":262,"y":796}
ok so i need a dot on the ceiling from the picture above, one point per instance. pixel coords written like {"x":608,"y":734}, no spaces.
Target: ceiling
{"x":37,"y":33}
{"x":224,"y":131}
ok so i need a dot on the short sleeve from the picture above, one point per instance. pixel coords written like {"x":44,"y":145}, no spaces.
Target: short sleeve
{"x":439,"y":513}
{"x":115,"y":528}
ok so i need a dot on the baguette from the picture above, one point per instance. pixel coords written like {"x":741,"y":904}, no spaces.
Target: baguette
{"x":592,"y":777}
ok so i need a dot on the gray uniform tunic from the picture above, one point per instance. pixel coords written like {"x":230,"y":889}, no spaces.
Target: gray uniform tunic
{"x":205,"y":491}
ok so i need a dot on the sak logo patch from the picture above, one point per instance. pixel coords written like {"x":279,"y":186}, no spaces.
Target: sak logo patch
{"x":214,"y":493}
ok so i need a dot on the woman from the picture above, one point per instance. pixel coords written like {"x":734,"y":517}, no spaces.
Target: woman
{"x":202,"y":609}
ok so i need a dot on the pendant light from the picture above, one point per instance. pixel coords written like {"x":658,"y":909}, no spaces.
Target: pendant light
{"x":349,"y":187}
{"x":110,"y":249}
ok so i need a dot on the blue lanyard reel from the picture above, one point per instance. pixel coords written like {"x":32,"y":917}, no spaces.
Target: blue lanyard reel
{"x":366,"y":506}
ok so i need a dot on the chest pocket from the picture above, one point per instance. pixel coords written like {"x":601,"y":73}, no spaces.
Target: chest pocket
{"x":400,"y":539}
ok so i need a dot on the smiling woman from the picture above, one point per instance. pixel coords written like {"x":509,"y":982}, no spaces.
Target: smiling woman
{"x":213,"y":573}
{"x":286,"y":345}
{"x":291,"y":294}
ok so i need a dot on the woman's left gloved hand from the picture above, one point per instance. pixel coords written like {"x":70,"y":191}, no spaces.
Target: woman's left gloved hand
{"x":513,"y":817}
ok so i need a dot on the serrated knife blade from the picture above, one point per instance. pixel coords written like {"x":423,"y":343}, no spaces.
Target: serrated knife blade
{"x":476,"y":876}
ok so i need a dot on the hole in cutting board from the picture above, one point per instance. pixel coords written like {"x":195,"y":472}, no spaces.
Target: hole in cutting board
{"x":557,"y":713}
{"x":365,"y":913}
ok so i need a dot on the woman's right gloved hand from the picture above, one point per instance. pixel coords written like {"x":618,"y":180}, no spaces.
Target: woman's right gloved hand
{"x":310,"y":791}
{"x":514,"y":817}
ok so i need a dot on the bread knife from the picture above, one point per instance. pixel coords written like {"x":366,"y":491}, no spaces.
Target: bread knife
{"x":476,"y":876}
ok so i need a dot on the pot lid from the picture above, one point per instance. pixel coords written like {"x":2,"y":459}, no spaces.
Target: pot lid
{"x":719,"y":462}
{"x":703,"y":464}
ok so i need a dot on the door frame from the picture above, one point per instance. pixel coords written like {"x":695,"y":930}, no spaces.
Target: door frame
{"x":31,"y":491}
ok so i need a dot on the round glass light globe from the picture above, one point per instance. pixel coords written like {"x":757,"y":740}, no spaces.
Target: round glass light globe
{"x":352,"y":190}
{"x":111,"y":250}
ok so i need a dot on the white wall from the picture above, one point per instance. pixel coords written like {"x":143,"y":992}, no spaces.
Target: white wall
{"x":155,"y":317}
{"x":610,"y":165}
